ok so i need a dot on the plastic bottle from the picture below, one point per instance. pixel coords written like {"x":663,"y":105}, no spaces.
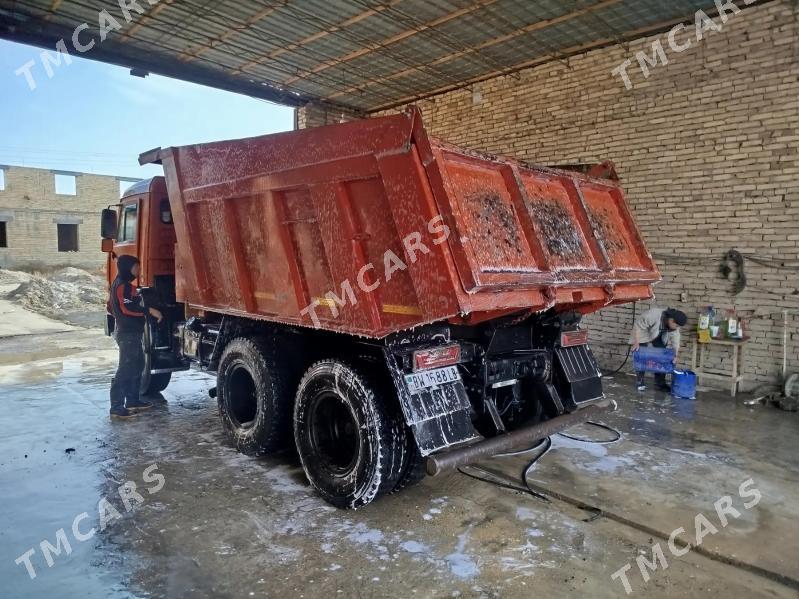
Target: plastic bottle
{"x":703,"y":325}
{"x":704,"y":319}
{"x":730,"y":324}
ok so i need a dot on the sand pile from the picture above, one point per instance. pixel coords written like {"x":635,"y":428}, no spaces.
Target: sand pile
{"x":64,"y":290}
{"x":13,"y":277}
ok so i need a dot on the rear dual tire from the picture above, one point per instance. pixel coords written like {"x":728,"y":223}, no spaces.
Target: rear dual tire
{"x":350,"y":436}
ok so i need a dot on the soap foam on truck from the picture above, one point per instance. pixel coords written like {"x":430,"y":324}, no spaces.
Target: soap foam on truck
{"x":379,"y":298}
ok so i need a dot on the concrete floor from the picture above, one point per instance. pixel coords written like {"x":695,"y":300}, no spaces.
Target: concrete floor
{"x":224,"y":525}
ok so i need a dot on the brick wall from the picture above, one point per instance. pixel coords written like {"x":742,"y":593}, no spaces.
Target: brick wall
{"x":316,"y":115}
{"x":31,"y":210}
{"x":708,"y":151}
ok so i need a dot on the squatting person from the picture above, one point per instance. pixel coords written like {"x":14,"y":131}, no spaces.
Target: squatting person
{"x":129,"y":314}
{"x":659,"y":327}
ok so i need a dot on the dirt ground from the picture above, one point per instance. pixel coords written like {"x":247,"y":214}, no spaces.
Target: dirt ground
{"x":219,"y":524}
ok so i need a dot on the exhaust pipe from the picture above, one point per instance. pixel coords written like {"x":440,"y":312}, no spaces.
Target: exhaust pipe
{"x":449,"y":460}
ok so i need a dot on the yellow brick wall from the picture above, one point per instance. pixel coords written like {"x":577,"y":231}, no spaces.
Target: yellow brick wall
{"x":30,"y":204}
{"x":707,"y":148}
{"x":314,"y":115}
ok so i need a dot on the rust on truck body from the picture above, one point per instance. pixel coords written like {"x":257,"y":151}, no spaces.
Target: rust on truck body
{"x":270,"y":225}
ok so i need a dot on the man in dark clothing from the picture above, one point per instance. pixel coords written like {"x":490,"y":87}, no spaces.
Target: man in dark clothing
{"x":129,"y":315}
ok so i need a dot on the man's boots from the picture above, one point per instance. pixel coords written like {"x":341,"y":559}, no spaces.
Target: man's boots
{"x":121,"y":414}
{"x":137,"y":405}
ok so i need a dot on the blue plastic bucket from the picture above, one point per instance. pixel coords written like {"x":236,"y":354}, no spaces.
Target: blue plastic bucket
{"x":683,"y":384}
{"x":653,"y":359}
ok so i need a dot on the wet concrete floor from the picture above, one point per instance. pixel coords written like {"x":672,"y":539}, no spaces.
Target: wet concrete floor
{"x":219,"y":524}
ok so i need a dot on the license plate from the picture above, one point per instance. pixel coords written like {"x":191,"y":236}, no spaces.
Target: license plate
{"x":419,"y":381}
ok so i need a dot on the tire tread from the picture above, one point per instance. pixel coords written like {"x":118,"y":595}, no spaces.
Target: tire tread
{"x":276,"y":375}
{"x":390,"y":428}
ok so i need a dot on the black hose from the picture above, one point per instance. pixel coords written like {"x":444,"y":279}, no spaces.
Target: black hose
{"x":495,"y":479}
{"x":629,"y":348}
{"x":615,"y":439}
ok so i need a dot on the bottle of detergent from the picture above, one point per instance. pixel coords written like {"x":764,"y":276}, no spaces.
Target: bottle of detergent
{"x":703,"y":326}
{"x":704,"y":319}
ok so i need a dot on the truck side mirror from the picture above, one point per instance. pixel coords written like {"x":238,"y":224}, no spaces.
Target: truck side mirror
{"x":108,"y":224}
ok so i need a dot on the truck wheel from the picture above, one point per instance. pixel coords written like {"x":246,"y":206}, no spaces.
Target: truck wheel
{"x":349,"y":435}
{"x":151,"y":383}
{"x":154,"y":383}
{"x":412,"y":470}
{"x":254,"y":397}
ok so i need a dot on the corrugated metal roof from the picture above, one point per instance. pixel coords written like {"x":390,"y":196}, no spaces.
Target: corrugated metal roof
{"x":362,"y":54}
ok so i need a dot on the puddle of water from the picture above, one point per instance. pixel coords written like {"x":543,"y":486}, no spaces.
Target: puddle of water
{"x":43,"y":489}
{"x":414,"y":547}
{"x":460,"y":563}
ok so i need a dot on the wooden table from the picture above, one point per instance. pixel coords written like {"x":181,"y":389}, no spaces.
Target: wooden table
{"x":734,"y":377}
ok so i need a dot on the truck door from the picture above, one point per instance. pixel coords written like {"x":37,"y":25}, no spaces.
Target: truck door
{"x":127,"y":241}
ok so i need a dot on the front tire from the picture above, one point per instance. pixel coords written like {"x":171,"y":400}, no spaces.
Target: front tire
{"x":254,"y":396}
{"x":349,"y":435}
{"x":154,"y":383}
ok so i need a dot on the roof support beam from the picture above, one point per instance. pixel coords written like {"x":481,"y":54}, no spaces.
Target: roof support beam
{"x":119,"y":54}
{"x":318,"y":35}
{"x":570,"y":51}
{"x":487,"y":44}
{"x":366,"y":55}
{"x":144,"y":19}
{"x":200,"y":49}
{"x":390,"y":40}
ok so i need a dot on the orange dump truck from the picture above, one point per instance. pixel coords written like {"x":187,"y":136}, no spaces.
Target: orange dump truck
{"x":387,"y":300}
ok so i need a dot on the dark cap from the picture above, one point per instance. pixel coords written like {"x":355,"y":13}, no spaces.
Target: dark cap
{"x":679,"y":317}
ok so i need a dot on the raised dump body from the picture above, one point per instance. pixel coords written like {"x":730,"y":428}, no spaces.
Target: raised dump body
{"x":373,"y":227}
{"x":383,"y":298}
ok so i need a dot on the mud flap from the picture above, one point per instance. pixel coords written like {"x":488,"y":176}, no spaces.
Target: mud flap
{"x":439,"y":417}
{"x":577,"y":376}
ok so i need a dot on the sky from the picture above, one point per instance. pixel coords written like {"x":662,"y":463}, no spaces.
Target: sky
{"x":97,"y":118}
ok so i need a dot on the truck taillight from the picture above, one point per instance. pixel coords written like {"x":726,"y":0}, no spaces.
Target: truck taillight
{"x":436,"y":357}
{"x":570,"y":338}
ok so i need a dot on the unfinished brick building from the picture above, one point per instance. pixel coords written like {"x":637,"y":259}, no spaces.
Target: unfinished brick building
{"x":51,"y":218}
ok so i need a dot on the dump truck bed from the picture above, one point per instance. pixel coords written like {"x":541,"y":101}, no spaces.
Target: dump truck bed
{"x":373,"y":226}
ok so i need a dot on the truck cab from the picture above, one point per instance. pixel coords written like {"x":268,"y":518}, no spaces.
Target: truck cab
{"x":141,"y":225}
